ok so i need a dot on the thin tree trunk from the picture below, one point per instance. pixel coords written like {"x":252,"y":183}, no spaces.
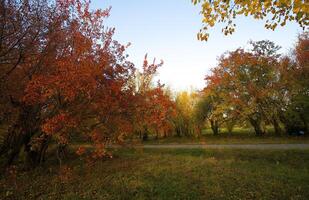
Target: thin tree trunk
{"x":276,"y":125}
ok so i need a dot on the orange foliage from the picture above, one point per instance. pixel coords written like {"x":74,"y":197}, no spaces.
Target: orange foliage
{"x":78,"y":80}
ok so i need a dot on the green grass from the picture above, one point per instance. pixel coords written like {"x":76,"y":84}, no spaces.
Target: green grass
{"x":172,"y":174}
{"x":238,"y":136}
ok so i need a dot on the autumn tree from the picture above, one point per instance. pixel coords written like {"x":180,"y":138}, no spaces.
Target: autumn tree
{"x":77,"y":80}
{"x":302,"y":76}
{"x":25,"y":26}
{"x":187,"y":121}
{"x":200,"y":113}
{"x":183,"y":120}
{"x":212,"y":110}
{"x":218,"y":108}
{"x":247,"y":80}
{"x":276,"y":13}
{"x":294,"y":76}
{"x":272,"y":103}
{"x":154,"y":107}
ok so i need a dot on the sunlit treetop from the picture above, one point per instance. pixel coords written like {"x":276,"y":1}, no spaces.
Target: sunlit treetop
{"x":275,"y":12}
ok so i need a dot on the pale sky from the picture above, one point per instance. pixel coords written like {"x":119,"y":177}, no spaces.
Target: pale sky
{"x":166,"y":29}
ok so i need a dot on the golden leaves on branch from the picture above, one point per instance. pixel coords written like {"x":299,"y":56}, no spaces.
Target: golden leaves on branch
{"x":276,"y":12}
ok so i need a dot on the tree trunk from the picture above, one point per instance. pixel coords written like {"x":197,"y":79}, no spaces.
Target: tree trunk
{"x":165,"y":133}
{"x":214,"y":126}
{"x":276,"y":125}
{"x":145,"y":134}
{"x":303,"y":119}
{"x":257,"y":125}
{"x":36,"y":156}
{"x":177,"y":131}
{"x":230,"y":127}
{"x":157,"y":134}
{"x":198,"y":131}
{"x":61,"y":153}
{"x":21,"y":134}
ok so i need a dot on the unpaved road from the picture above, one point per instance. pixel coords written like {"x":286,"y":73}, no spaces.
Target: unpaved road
{"x":225,"y":146}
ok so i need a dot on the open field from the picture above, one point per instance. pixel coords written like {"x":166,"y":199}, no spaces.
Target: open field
{"x":172,"y":174}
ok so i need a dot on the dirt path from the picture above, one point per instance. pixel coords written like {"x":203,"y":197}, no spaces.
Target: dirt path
{"x":226,"y":146}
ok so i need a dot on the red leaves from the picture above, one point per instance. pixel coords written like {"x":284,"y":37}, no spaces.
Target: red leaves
{"x":153,"y":107}
{"x":81,"y":82}
{"x":59,"y":127}
{"x":80,"y":151}
{"x":302,"y":57}
{"x":87,"y":79}
{"x":247,"y":81}
{"x":58,"y":123}
{"x":214,"y":79}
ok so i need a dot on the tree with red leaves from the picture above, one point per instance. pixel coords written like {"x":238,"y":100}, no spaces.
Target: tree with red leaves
{"x":64,"y":76}
{"x":246,"y":84}
{"x":73,"y":79}
{"x":294,"y":75}
{"x":154,"y":108}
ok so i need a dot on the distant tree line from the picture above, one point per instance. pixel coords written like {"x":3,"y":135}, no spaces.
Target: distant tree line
{"x":256,"y":86}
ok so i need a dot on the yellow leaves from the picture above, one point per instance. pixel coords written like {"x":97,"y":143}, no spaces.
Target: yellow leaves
{"x":280,"y":11}
{"x":195,"y":1}
{"x":268,"y":4}
{"x":273,"y":27}
{"x":283,"y":23}
{"x":203,"y":36}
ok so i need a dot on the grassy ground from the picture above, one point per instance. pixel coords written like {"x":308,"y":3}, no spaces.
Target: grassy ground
{"x":238,"y":136}
{"x":171,"y":174}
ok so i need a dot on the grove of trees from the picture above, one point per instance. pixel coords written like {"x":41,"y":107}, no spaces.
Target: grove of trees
{"x":63,"y":78}
{"x":262,"y":87}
